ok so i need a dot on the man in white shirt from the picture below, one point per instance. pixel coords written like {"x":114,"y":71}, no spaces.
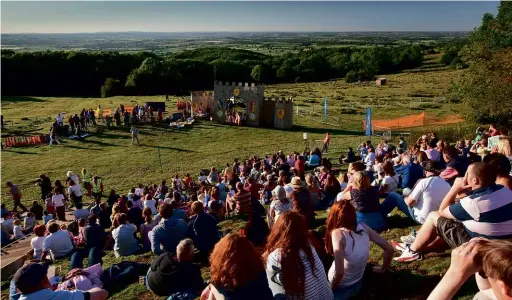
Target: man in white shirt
{"x":58,"y":243}
{"x":74,"y":191}
{"x":426,"y":196}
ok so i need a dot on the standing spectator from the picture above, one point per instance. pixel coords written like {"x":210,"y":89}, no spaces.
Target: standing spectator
{"x":124,"y":237}
{"x":59,"y":202}
{"x":237,"y":271}
{"x":293,"y":267}
{"x":168,"y":233}
{"x":86,"y":181}
{"x":97,"y":187}
{"x":45,"y":184}
{"x":74,"y":191}
{"x":135,"y":134}
{"x":349,"y":243}
{"x":59,"y":119}
{"x":15,"y":192}
{"x":37,"y":210}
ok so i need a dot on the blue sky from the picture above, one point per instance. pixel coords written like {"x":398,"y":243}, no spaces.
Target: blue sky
{"x":70,"y":17}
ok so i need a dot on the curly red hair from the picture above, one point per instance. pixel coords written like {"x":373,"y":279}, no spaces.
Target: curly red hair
{"x":234,"y":262}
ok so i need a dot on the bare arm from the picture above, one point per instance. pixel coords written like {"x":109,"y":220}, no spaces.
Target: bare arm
{"x":458,"y":186}
{"x":387,"y":256}
{"x":409,"y":201}
{"x":98,"y":294}
{"x":338,"y":247}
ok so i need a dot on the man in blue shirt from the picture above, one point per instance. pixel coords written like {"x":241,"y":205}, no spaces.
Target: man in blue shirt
{"x":31,"y":281}
{"x":410,"y":173}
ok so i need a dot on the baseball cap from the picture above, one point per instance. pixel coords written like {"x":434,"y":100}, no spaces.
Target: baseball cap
{"x":29,"y":276}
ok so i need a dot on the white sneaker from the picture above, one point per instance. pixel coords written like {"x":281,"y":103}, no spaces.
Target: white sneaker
{"x":408,"y":255}
{"x":408,"y":239}
{"x":399,"y":246}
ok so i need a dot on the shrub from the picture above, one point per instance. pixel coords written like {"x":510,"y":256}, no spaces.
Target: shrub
{"x":351,"y":76}
{"x":112,"y":87}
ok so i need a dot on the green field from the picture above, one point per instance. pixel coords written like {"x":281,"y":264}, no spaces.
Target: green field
{"x":165,"y":152}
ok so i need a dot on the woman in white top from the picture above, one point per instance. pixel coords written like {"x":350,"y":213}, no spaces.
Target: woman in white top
{"x":58,"y":200}
{"x":17,"y":230}
{"x":37,"y":242}
{"x":151,"y":203}
{"x":280,"y":204}
{"x":391,"y":180}
{"x":349,"y":243}
{"x":299,"y":274}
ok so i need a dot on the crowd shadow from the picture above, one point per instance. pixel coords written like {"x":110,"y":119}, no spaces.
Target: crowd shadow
{"x":17,"y":99}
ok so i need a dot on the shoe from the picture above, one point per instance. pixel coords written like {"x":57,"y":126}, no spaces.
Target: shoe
{"x":408,"y":256}
{"x":409,"y":239}
{"x":399,"y":246}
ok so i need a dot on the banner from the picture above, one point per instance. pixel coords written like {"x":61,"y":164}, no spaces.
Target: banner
{"x":325,"y":107}
{"x":368,"y":131}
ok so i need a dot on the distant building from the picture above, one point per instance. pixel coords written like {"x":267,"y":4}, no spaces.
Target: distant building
{"x":381,"y":81}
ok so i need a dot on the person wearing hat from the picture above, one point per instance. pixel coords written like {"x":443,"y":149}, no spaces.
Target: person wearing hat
{"x":280,"y":204}
{"x":31,"y":281}
{"x":427,"y":195}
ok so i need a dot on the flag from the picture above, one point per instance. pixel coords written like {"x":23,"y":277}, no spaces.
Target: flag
{"x":368,"y":131}
{"x":325,"y":107}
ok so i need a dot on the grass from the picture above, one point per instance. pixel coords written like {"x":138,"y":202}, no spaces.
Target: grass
{"x":165,"y":152}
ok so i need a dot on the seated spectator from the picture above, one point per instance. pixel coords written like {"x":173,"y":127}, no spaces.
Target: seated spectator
{"x":168,"y":233}
{"x":7,"y":223}
{"x":177,"y":277}
{"x":134,"y":214}
{"x":177,"y":211}
{"x":279,"y":205}
{"x":301,"y":201}
{"x":94,"y":234}
{"x":145,"y":228}
{"x":151,"y":203}
{"x":456,"y":165}
{"x":4,"y":210}
{"x":79,"y":240}
{"x":240,"y":202}
{"x":349,"y":158}
{"x":104,"y":216}
{"x":202,"y":228}
{"x":37,"y":242}
{"x":365,"y":199}
{"x":313,"y":161}
{"x":480,"y":257}
{"x":47,"y":217}
{"x":410,"y":173}
{"x":213,"y":177}
{"x":331,"y":189}
{"x":254,"y":188}
{"x":293,"y":267}
{"x":432,"y":152}
{"x":256,"y":231}
{"x":80,"y":211}
{"x":29,"y":223}
{"x":96,"y":208}
{"x":314,"y":190}
{"x":349,"y":243}
{"x":391,"y":180}
{"x":236,"y":271}
{"x":124,"y":237}
{"x":505,"y":148}
{"x":57,"y":243}
{"x":425,"y":198}
{"x":457,"y":222}
{"x":501,"y":164}
{"x":343,"y":180}
{"x":369,"y":159}
{"x":37,"y":210}
{"x":32,"y":282}
{"x":17,"y":230}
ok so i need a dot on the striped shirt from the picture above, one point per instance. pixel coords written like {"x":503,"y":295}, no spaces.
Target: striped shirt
{"x":487,"y":212}
{"x":243,"y":202}
{"x":316,"y":285}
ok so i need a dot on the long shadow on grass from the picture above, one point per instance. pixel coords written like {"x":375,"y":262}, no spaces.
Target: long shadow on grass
{"x":83,"y":148}
{"x":16,"y":151}
{"x":22,"y":99}
{"x":300,"y":128}
{"x":99,"y":143}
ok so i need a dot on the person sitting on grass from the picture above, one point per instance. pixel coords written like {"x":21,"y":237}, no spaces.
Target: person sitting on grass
{"x":256,"y":231}
{"x":80,"y":211}
{"x":57,"y":243}
{"x":365,"y":199}
{"x":37,"y":210}
{"x":202,"y":228}
{"x":150,"y":203}
{"x":145,"y":228}
{"x":29,"y":223}
{"x":37,"y":242}
{"x":124,"y":236}
{"x":501,"y":164}
{"x":313,"y":161}
{"x":293,"y":267}
{"x":134,"y":214}
{"x":17,"y":230}
{"x":391,"y":180}
{"x":236,"y":271}
{"x":279,"y":205}
{"x":104,"y":216}
{"x":349,"y":158}
{"x":96,"y":208}
{"x":32,"y":282}
{"x":484,"y":212}
{"x":94,"y":234}
{"x":410,"y":173}
{"x":489,"y":261}
{"x":240,"y":202}
{"x":349,"y":242}
{"x":168,"y":233}
{"x":47,"y":217}
{"x":178,"y":276}
{"x":425,"y":198}
{"x":456,"y":165}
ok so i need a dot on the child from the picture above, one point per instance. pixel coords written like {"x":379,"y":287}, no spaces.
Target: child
{"x":47,"y":217}
{"x":18,"y":232}
{"x":50,"y":208}
{"x":145,"y":228}
{"x":79,"y":240}
{"x":30,"y":223}
{"x":135,"y":134}
{"x":37,"y":210}
{"x":4,"y":210}
{"x":202,"y":177}
{"x":363,"y":150}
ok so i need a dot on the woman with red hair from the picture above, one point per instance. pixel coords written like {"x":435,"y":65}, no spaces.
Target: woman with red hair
{"x":236,"y":271}
{"x":349,"y":243}
{"x":294,"y":269}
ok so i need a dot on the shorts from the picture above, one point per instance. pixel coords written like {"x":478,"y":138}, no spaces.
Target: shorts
{"x":452,"y":232}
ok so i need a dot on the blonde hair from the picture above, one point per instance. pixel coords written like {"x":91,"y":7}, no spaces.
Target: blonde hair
{"x":310,"y":180}
{"x":361,"y":180}
{"x":504,"y":146}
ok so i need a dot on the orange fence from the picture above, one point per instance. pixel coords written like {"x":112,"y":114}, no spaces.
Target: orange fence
{"x":17,"y":141}
{"x":403,"y":122}
{"x":109,"y":112}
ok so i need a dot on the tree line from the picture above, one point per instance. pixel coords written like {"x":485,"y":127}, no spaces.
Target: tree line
{"x":90,"y":74}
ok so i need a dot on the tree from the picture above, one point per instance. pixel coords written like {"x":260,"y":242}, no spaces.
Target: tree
{"x":351,"y":76}
{"x":257,"y":73}
{"x":111,"y":87}
{"x":486,"y":87}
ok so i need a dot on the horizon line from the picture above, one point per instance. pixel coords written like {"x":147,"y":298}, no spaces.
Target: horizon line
{"x":261,"y":31}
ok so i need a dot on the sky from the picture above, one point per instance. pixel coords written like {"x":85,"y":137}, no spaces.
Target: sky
{"x":188,"y":16}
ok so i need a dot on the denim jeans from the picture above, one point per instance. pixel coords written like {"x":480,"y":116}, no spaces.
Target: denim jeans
{"x":347,"y":292}
{"x":94,"y":254}
{"x":374,"y":220}
{"x":395,"y":200}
